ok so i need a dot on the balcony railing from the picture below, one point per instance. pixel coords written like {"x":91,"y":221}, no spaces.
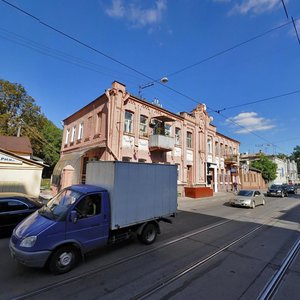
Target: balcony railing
{"x":231,"y":159}
{"x":158,"y":142}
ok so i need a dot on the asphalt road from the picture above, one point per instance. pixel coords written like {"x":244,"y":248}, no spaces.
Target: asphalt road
{"x":211,"y":251}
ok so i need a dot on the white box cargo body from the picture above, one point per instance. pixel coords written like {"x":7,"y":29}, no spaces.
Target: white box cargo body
{"x":138,"y":191}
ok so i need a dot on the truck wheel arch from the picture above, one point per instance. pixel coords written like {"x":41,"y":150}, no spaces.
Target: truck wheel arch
{"x":149,"y":233}
{"x":63,"y":259}
{"x":141,"y":228}
{"x":67,"y":243}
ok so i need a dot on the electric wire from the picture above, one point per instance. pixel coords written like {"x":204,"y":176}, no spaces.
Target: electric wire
{"x":60,"y":55}
{"x":77,"y":40}
{"x":285,"y":9}
{"x":228,"y":49}
{"x":143,"y":74}
{"x":259,"y":101}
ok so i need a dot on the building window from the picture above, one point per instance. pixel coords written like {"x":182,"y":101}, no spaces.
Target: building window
{"x":126,"y":158}
{"x":189,"y":139}
{"x":168,"y":130}
{"x":142,"y":160}
{"x":216,"y":149}
{"x":226,"y":150}
{"x":177,"y":136}
{"x":128,"y":125}
{"x":98,"y":123}
{"x":67,"y":136}
{"x":209,"y":145}
{"x":143,"y":126}
{"x":80,"y":131}
{"x":221,"y":150}
{"x":73,"y":134}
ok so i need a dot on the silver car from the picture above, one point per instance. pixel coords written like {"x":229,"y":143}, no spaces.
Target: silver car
{"x":248,"y":198}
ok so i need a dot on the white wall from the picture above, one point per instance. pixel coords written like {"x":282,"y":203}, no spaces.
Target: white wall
{"x":21,"y":179}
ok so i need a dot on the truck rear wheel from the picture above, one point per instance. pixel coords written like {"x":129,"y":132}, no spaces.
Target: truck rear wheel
{"x":63,"y":259}
{"x":149,"y":234}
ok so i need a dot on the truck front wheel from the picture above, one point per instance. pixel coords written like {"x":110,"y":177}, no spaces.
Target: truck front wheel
{"x":149,"y":234}
{"x":63,"y":259}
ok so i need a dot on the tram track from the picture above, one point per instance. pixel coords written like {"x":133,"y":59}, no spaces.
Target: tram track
{"x":72,"y":279}
{"x":273,"y":285}
{"x":178,"y":275}
{"x":167,"y":279}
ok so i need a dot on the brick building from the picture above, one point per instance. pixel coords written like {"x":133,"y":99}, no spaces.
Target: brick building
{"x":120,"y":126}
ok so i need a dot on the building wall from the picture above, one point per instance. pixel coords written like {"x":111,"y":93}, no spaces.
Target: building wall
{"x":17,"y":175}
{"x":281,"y":173}
{"x":251,"y":179}
{"x":108,"y":134}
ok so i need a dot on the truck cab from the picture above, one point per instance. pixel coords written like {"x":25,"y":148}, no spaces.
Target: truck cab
{"x":74,"y":222}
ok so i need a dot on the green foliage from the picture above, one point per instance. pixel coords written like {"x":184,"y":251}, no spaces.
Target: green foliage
{"x":19,"y":110}
{"x":282,"y":156}
{"x":296,"y":156}
{"x":266,"y":166}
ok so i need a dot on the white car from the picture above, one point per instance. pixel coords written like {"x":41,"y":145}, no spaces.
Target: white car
{"x":248,"y":198}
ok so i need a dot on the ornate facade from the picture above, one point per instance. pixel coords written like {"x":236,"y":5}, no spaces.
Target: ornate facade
{"x":120,"y":126}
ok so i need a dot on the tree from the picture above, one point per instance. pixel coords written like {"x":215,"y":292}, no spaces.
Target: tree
{"x":266,"y":166}
{"x":296,"y":156}
{"x":18,"y":111}
{"x":282,"y":156}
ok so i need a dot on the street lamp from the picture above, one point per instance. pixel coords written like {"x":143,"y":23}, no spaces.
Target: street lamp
{"x":141,"y":87}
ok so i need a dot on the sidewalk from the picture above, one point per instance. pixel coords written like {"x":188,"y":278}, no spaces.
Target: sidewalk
{"x":45,"y":195}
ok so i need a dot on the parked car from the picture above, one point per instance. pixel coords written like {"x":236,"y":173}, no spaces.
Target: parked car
{"x":14,"y":207}
{"x":248,"y":198}
{"x":290,"y":188}
{"x":277,"y":190}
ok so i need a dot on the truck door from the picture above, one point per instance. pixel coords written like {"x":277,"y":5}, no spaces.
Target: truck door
{"x":92,"y":226}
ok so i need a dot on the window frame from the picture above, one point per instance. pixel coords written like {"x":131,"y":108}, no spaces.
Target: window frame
{"x":189,"y":138}
{"x":143,"y":125}
{"x":128,"y":123}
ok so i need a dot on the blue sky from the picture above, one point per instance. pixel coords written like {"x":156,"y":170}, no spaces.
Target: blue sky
{"x":164,"y":38}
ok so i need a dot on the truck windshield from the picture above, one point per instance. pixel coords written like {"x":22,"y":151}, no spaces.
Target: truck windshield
{"x":58,"y":206}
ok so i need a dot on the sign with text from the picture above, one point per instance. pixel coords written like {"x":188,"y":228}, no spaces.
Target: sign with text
{"x":8,"y":159}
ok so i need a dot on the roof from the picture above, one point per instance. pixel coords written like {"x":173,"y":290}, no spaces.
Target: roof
{"x":16,"y":144}
{"x":18,"y":157}
{"x":227,"y":137}
{"x":86,"y":188}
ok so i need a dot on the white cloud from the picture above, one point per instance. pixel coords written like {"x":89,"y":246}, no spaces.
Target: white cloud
{"x":135,"y":14}
{"x":292,"y":31}
{"x":253,"y":6}
{"x":117,"y":9}
{"x":249,"y":122}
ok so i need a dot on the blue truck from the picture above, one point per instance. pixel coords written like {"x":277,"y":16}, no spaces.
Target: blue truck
{"x":120,"y":200}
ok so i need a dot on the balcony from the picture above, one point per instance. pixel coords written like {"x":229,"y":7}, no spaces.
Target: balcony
{"x":158,"y":142}
{"x":231,"y":159}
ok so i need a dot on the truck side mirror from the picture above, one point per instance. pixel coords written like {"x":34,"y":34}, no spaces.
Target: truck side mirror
{"x":74,"y":216}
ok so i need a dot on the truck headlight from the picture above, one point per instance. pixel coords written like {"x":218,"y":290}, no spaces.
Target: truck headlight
{"x":28,"y":242}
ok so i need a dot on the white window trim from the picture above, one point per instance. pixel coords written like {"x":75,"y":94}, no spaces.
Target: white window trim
{"x":80,"y":131}
{"x":73,"y":134}
{"x":67,"y":136}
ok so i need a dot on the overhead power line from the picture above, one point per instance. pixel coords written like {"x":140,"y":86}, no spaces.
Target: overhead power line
{"x":258,"y":101}
{"x":228,"y":49}
{"x":285,"y":9}
{"x":60,"y":55}
{"x":77,"y":40}
{"x":126,"y":65}
{"x":143,"y":74}
{"x":296,"y":30}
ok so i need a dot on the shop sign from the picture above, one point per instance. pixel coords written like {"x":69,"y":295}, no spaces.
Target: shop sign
{"x":8,"y":160}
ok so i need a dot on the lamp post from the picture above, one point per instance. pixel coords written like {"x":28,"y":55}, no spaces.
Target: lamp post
{"x":141,"y":87}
